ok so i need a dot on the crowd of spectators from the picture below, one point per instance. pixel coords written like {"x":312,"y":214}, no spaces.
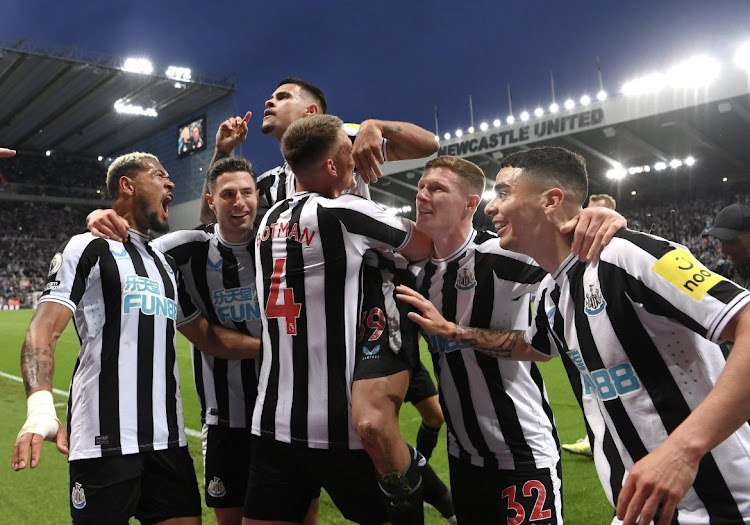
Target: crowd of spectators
{"x":34,"y":174}
{"x":31,"y":233}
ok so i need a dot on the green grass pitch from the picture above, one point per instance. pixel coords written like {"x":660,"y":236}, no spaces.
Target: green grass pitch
{"x":41,"y":496}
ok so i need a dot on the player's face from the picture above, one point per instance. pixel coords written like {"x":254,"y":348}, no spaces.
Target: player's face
{"x":516,"y":210}
{"x":287,"y":104}
{"x":737,"y":250}
{"x":344,"y":163}
{"x":196,"y":135}
{"x":442,"y":202}
{"x":235,"y":203}
{"x":152,"y":197}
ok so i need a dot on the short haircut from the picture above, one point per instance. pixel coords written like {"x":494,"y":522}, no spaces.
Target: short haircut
{"x":228,"y":165}
{"x":128,"y":165}
{"x":609,"y":200}
{"x":471,"y":174}
{"x":561,"y":167}
{"x":309,"y":140}
{"x":310,"y":89}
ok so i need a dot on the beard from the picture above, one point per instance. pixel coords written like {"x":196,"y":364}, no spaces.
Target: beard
{"x":155,"y":224}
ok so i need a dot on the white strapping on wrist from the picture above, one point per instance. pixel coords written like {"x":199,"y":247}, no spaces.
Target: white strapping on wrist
{"x":40,"y":403}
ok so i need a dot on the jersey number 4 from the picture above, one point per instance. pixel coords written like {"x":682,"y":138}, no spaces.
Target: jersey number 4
{"x":287,"y":309}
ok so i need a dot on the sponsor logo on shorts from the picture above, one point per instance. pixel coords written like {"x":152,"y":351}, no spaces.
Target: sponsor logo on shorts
{"x":101,"y":440}
{"x":78,"y":496}
{"x":465,"y":279}
{"x":371,"y":354}
{"x":216,"y":488}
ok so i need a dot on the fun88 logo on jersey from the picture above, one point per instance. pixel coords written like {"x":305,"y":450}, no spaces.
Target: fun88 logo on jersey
{"x":237,"y":304}
{"x":607,"y":383}
{"x":144,"y":294}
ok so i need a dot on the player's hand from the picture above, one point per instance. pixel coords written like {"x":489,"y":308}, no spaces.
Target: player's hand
{"x":593,"y":230}
{"x":368,"y":151}
{"x":657,"y":482}
{"x":37,"y":430}
{"x":107,"y":225}
{"x":430,"y":320}
{"x":232,"y":132}
{"x":6,"y":153}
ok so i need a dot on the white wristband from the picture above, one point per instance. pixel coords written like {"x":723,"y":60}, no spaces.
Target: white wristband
{"x":40,"y":416}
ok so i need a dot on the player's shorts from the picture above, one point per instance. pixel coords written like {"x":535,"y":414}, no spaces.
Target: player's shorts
{"x":387,"y":341}
{"x":421,"y":386}
{"x":285,"y":478}
{"x":522,"y":496}
{"x":226,"y":465}
{"x":152,"y":486}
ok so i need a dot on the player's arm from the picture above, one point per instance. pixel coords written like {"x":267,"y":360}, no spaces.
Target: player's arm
{"x":403,"y":141}
{"x":664,"y":476}
{"x":37,"y":369}
{"x":419,"y":246}
{"x":219,"y":341}
{"x":107,"y":224}
{"x":593,"y":229}
{"x":501,"y":344}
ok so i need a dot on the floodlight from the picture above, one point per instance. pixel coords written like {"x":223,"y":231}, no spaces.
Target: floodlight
{"x":601,"y":96}
{"x":483,"y":126}
{"x":585,"y":100}
{"x":675,"y":163}
{"x":179,"y":73}
{"x":651,"y":83}
{"x":48,"y":153}
{"x":524,"y":116}
{"x":554,"y":108}
{"x":659,"y":166}
{"x":138,"y":65}
{"x":124,"y":106}
{"x":570,"y":104}
{"x":488,"y":195}
{"x":447,"y":136}
{"x":437,"y":139}
{"x":697,"y":71}
{"x":496,"y":122}
{"x":616,"y":173}
{"x":632,"y":192}
{"x":511,"y":119}
{"x":459,"y":133}
{"x":689,"y":161}
{"x":632,"y":170}
{"x":538,"y":112}
{"x":724,"y":179}
{"x":647,"y":168}
{"x":100,"y":158}
{"x":471,"y":129}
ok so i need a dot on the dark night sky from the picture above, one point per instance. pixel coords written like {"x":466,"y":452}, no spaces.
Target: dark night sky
{"x":394,"y":59}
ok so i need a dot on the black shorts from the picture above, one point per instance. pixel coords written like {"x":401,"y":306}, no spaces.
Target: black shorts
{"x":226,"y":464}
{"x":387,"y":341}
{"x":285,"y":478}
{"x":421,"y":386}
{"x":152,"y":486}
{"x":521,"y":496}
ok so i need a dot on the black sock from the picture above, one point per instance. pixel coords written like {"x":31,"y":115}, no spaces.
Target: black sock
{"x":436,"y":493}
{"x":404,"y":491}
{"x":427,"y":438}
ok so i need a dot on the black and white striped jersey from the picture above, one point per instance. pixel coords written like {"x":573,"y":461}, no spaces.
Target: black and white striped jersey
{"x":218,"y":281}
{"x":278,"y":183}
{"x":496,"y":410}
{"x":125,"y":391}
{"x":637,"y":330}
{"x":309,"y":252}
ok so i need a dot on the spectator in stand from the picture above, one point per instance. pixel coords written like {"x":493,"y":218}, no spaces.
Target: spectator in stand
{"x":732,"y":228}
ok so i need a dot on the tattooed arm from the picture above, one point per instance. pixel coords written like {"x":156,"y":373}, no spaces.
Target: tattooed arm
{"x":501,"y":344}
{"x":37,"y":368}
{"x":403,"y":141}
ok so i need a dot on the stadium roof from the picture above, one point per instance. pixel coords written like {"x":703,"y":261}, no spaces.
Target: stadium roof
{"x":671,"y":144}
{"x":55,"y":99}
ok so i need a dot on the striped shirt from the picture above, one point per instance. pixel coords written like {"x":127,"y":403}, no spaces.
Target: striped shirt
{"x":125,"y":394}
{"x":309,"y":251}
{"x":637,"y":330}
{"x":496,"y":410}
{"x":219,"y":283}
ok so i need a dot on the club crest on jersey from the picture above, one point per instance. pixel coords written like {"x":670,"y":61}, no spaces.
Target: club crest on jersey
{"x":594,"y":303}
{"x":216,"y":488}
{"x":214,"y":266}
{"x":56,"y":264}
{"x":78,"y":496}
{"x":371,"y":354}
{"x":465,"y":279}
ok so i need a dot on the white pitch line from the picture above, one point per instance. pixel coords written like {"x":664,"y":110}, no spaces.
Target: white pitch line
{"x":188,"y":431}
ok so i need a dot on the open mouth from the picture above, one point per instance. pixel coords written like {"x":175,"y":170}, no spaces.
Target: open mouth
{"x":165,"y":204}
